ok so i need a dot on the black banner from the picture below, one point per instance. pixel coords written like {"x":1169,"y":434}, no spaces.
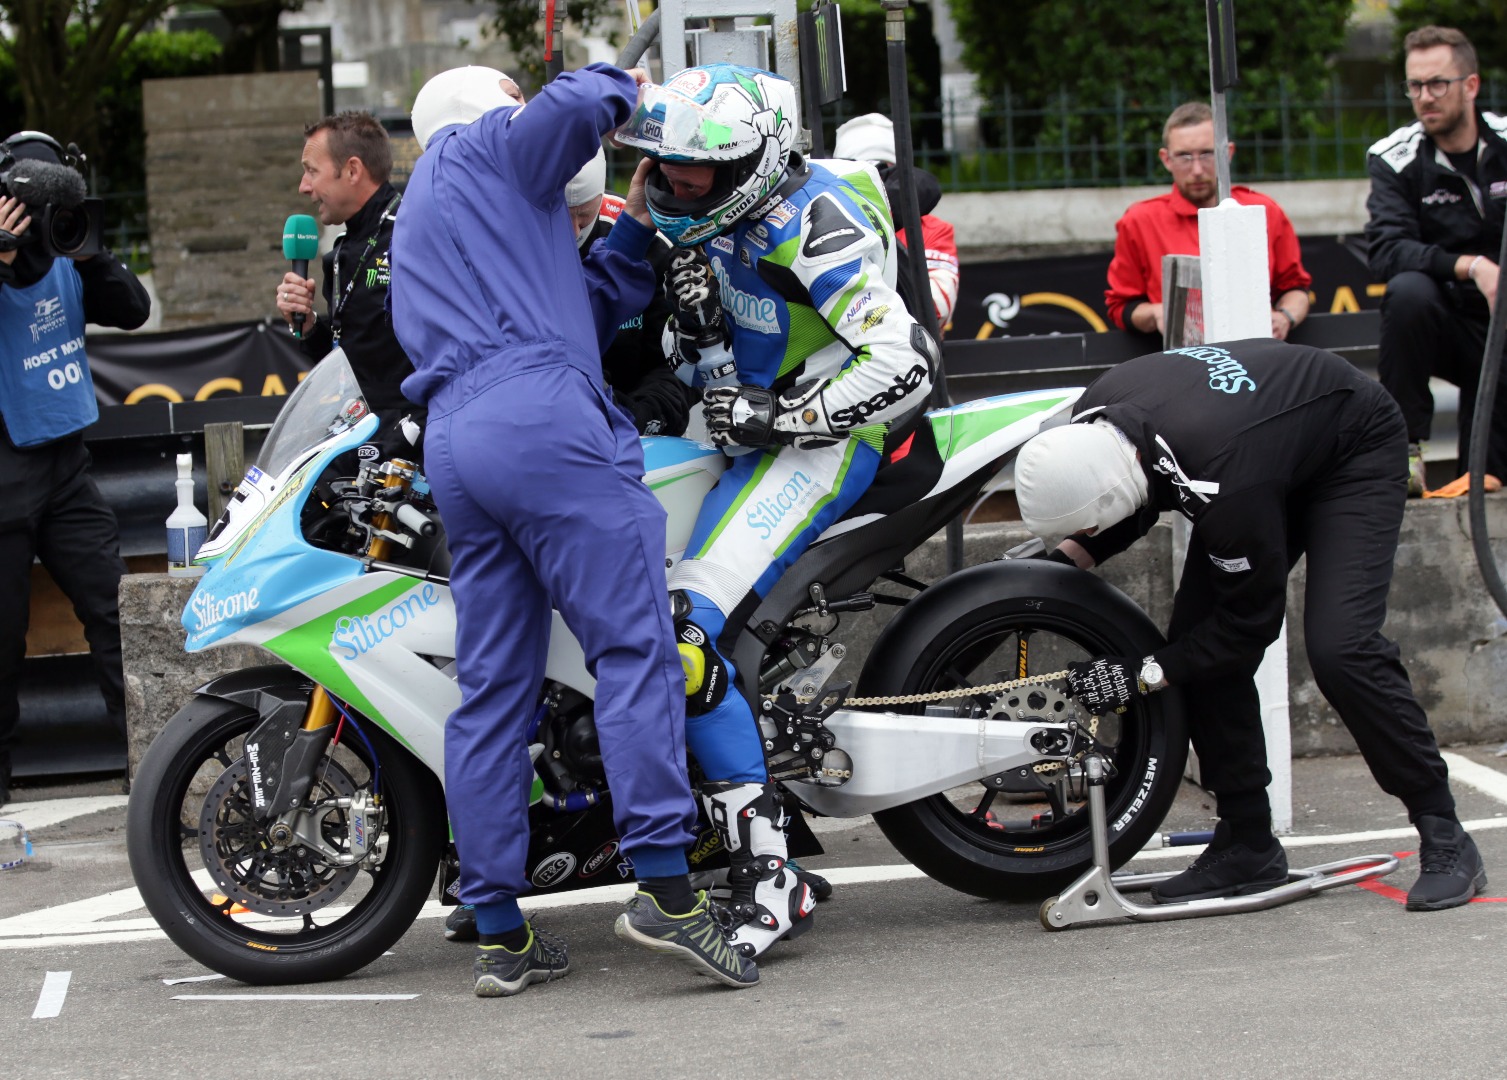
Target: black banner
{"x":1065,"y":294}
{"x":256,"y":359}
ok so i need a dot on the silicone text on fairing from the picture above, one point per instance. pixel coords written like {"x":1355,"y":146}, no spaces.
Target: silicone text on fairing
{"x":358,"y":634}
{"x":211,"y":610}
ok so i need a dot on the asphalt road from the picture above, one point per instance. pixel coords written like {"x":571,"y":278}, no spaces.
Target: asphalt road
{"x":900,"y":977}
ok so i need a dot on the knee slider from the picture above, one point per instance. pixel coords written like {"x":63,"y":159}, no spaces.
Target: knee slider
{"x":705,"y":671}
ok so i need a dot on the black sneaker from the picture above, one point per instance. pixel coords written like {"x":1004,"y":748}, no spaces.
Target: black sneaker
{"x":500,"y":973}
{"x":1452,"y":868}
{"x":698,"y":938}
{"x":1225,"y":868}
{"x":460,"y":924}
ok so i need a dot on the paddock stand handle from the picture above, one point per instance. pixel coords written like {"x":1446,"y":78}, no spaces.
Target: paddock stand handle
{"x":1099,"y":895}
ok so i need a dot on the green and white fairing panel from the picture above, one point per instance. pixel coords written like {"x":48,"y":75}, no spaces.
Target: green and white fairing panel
{"x":972,"y":436}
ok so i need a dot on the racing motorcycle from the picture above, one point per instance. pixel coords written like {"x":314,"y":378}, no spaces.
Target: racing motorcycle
{"x":289,"y":821}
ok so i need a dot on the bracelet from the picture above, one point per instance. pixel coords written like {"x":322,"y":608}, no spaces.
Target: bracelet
{"x":1470,"y":271}
{"x":1291,"y":322}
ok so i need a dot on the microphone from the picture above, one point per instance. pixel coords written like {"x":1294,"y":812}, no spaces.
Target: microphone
{"x":300,"y":244}
{"x":43,"y":183}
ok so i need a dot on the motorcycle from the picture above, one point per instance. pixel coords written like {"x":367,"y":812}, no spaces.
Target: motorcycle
{"x":289,"y":821}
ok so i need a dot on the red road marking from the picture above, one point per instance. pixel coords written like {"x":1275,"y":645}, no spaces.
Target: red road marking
{"x":1391,"y":892}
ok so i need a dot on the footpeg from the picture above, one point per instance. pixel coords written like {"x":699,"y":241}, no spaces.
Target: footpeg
{"x":797,"y":743}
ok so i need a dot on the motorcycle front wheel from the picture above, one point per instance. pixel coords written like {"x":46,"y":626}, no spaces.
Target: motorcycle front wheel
{"x":1025,"y":836}
{"x":276,"y":913}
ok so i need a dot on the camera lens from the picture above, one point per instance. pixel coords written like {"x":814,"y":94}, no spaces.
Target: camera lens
{"x":69,"y":232}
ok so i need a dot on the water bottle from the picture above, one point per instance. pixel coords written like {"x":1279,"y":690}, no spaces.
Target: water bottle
{"x":186,"y":526}
{"x":15,"y":844}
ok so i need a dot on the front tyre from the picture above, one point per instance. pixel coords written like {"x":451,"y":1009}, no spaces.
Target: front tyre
{"x":265,"y":916}
{"x":1025,"y":835}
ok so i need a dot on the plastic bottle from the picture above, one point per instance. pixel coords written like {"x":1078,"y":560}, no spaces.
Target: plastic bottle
{"x":15,"y":845}
{"x":186,"y":526}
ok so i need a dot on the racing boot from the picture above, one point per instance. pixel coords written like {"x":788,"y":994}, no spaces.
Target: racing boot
{"x":769,"y":900}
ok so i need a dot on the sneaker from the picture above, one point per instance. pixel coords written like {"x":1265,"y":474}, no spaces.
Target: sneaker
{"x":500,"y":973}
{"x":460,"y":924}
{"x":1225,"y":869}
{"x":1417,"y":475}
{"x":1452,"y":869}
{"x":821,"y":888}
{"x":697,"y":938}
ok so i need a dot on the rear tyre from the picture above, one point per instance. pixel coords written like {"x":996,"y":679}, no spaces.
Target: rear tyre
{"x":290,"y":916}
{"x":972,"y":839}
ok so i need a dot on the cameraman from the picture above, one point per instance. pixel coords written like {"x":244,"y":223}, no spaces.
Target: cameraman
{"x":50,"y":508}
{"x":347,"y":159}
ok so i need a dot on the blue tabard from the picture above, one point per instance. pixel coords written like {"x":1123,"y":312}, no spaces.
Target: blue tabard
{"x":45,"y":388}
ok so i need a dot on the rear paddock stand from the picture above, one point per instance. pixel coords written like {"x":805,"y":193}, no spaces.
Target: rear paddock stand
{"x":1099,"y":895}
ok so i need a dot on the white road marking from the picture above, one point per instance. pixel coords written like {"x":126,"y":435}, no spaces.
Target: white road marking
{"x":54,"y":990}
{"x":39,"y":815}
{"x":1483,"y":778}
{"x":191,"y":979}
{"x":294,"y":997}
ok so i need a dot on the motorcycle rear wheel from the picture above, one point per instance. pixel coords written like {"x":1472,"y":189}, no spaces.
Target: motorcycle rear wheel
{"x":345,"y":920}
{"x":965,"y":837}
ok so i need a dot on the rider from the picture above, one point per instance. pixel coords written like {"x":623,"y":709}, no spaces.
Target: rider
{"x":815,"y":376}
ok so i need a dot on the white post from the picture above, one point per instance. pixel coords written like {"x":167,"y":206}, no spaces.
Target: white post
{"x":1237,"y":304}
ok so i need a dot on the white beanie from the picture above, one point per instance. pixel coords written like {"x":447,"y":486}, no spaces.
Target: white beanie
{"x":870,"y":137}
{"x":589,"y":183}
{"x":1077,"y":477}
{"x":458,"y":96}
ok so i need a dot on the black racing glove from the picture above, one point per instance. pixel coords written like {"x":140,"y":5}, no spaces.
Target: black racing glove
{"x":741,"y":416}
{"x":1109,"y":683}
{"x":1056,"y":555}
{"x":695,"y":297}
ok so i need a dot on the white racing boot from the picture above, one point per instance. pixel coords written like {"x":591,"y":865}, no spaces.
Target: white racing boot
{"x":769,"y":901}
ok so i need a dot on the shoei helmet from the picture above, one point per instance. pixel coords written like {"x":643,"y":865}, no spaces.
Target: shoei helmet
{"x":740,"y":120}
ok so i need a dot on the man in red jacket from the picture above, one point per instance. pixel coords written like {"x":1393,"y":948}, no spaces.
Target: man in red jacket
{"x":1168,"y":225}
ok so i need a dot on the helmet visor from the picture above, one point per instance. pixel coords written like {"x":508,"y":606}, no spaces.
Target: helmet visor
{"x":668,"y":126}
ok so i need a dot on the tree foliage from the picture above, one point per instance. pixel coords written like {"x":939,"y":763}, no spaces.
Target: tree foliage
{"x":517,"y":22}
{"x":1483,"y":21}
{"x":1124,"y":66}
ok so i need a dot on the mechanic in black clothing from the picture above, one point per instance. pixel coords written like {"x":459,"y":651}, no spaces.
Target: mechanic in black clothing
{"x":1434,"y":234}
{"x":634,"y":362}
{"x":347,"y":160}
{"x":50,"y":507}
{"x":1272,"y":451}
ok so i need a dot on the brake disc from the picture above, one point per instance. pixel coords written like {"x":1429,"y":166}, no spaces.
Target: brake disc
{"x":278,"y":880}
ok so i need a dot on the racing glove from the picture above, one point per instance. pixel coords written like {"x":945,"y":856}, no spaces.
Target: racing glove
{"x":1108,"y":683}
{"x":695,"y":335}
{"x":753,"y":416}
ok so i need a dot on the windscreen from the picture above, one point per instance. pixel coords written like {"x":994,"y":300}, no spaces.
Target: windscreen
{"x":327,"y":402}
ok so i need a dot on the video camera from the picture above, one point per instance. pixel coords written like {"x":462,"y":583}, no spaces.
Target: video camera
{"x":36,"y":169}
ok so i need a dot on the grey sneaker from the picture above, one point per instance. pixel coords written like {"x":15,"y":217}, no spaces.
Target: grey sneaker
{"x":697,"y":938}
{"x":500,"y":973}
{"x":460,"y":924}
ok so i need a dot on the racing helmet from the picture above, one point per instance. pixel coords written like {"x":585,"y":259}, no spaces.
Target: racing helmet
{"x":1077,"y":477}
{"x":740,"y":120}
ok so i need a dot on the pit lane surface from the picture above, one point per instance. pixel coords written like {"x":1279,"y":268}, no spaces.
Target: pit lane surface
{"x":900,"y":976}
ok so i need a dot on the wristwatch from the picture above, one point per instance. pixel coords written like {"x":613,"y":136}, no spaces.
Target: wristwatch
{"x":1151,"y":674}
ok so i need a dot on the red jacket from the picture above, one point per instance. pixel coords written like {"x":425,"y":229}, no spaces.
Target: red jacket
{"x":1168,"y":225}
{"x":941,"y":265}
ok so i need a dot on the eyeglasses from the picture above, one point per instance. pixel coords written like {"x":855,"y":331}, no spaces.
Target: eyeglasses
{"x":1184,"y":160}
{"x":1414,"y":88}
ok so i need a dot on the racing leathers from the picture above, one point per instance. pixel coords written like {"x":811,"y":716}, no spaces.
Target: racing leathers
{"x":807,"y":287}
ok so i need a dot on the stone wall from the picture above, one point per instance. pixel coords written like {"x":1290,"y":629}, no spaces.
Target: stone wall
{"x":222,"y":177}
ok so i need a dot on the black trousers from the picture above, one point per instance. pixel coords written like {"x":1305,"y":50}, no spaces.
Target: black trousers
{"x":1428,"y":330}
{"x":51,"y":509}
{"x":1347,"y":522}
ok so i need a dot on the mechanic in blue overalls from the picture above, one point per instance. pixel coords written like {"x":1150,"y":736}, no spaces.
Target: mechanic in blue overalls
{"x":539,"y":478}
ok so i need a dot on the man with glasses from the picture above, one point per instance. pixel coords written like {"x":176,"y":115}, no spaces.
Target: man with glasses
{"x":1434,"y":235}
{"x":1168,"y":225}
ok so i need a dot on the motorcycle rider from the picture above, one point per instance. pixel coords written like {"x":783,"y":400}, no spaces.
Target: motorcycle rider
{"x":539,"y":479}
{"x":1272,"y":451}
{"x":815,"y":375}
